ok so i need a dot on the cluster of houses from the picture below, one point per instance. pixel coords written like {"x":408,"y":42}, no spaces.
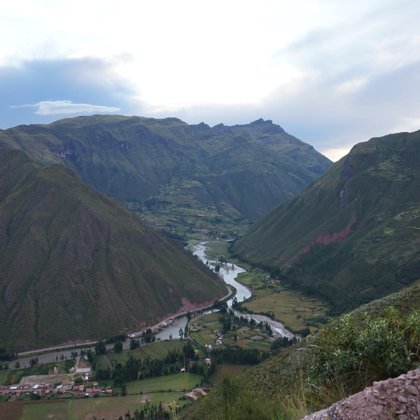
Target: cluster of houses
{"x":195,"y":394}
{"x":155,"y":329}
{"x":49,"y":390}
{"x":52,"y":385}
{"x":219,"y":338}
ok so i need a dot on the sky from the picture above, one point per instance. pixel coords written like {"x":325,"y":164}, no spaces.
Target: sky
{"x":332,"y":73}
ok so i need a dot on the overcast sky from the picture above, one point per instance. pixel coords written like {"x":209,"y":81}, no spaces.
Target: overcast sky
{"x":332,"y":73}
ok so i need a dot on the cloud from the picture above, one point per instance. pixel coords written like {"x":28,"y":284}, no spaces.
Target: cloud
{"x":331,"y":73}
{"x":87,"y":86}
{"x":67,"y":107}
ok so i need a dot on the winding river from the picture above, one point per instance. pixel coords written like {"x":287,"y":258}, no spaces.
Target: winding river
{"x":229,"y":272}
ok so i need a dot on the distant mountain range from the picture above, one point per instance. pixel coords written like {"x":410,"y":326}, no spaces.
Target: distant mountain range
{"x":353,"y":235}
{"x":178,"y":176}
{"x":75,"y":264}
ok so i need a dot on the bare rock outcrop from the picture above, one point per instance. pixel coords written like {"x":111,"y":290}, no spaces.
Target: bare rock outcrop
{"x":397,"y":398}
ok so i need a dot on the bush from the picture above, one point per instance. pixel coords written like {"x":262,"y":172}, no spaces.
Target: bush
{"x":380,"y":347}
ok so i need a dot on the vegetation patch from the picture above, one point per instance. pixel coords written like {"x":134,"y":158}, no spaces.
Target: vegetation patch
{"x":11,"y":410}
{"x":376,"y":347}
{"x":227,"y":370}
{"x":156,"y":350}
{"x":344,"y":357}
{"x":177,"y":382}
{"x":223,"y":330}
{"x":109,"y":407}
{"x":3,"y":376}
{"x":296,"y":311}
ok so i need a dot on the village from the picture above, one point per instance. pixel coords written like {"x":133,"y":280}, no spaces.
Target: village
{"x":76,"y":383}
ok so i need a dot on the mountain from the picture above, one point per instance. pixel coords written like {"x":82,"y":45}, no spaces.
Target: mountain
{"x":353,"y":235}
{"x":75,"y":264}
{"x":174,"y":174}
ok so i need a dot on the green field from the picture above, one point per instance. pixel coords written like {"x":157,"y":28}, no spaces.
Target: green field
{"x":177,"y":381}
{"x":105,"y":407}
{"x":292,"y":308}
{"x":154,"y":351}
{"x":247,"y":337}
{"x":3,"y":376}
{"x":206,"y":325}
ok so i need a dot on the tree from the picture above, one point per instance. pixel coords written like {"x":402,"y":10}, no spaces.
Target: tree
{"x":118,"y":346}
{"x":100,"y":348}
{"x":188,"y":351}
{"x":147,"y":336}
{"x":134,"y":344}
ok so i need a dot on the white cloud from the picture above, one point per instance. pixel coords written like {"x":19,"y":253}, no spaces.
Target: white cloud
{"x":308,"y":65}
{"x":350,"y":86}
{"x":67,"y":107}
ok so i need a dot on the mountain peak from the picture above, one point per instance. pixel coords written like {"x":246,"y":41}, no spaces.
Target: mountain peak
{"x":261,"y":121}
{"x":266,"y":125}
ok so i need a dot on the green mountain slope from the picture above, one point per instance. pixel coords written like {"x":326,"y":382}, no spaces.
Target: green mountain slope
{"x":74,"y":264}
{"x":279,"y":387}
{"x":177,"y":174}
{"x":354,"y":235}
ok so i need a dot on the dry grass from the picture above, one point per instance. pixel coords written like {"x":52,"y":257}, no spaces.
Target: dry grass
{"x":11,"y":410}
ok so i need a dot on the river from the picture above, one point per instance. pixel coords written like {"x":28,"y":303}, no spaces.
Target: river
{"x":228,"y":272}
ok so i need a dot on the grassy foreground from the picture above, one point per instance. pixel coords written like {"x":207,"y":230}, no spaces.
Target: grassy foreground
{"x":370,"y":344}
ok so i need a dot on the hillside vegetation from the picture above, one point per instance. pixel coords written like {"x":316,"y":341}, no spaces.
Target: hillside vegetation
{"x":178,"y":176}
{"x":352,"y":236}
{"x":75,"y":264}
{"x":372,"y":343}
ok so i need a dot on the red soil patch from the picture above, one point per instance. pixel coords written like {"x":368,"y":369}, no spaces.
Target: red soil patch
{"x":330,"y":238}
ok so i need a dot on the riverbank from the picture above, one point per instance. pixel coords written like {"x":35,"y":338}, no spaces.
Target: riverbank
{"x":230,"y":273}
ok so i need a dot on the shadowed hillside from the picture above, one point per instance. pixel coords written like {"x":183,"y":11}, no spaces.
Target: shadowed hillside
{"x":354,"y":235}
{"x":74,"y":264}
{"x":177,"y":174}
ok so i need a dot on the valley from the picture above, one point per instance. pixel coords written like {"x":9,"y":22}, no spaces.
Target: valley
{"x":168,"y":388}
{"x":181,"y":178}
{"x":167,"y":329}
{"x":192,"y":298}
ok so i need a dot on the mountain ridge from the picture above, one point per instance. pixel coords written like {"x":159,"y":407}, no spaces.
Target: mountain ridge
{"x":352,"y":235}
{"x":75,"y":264}
{"x":179,"y":171}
